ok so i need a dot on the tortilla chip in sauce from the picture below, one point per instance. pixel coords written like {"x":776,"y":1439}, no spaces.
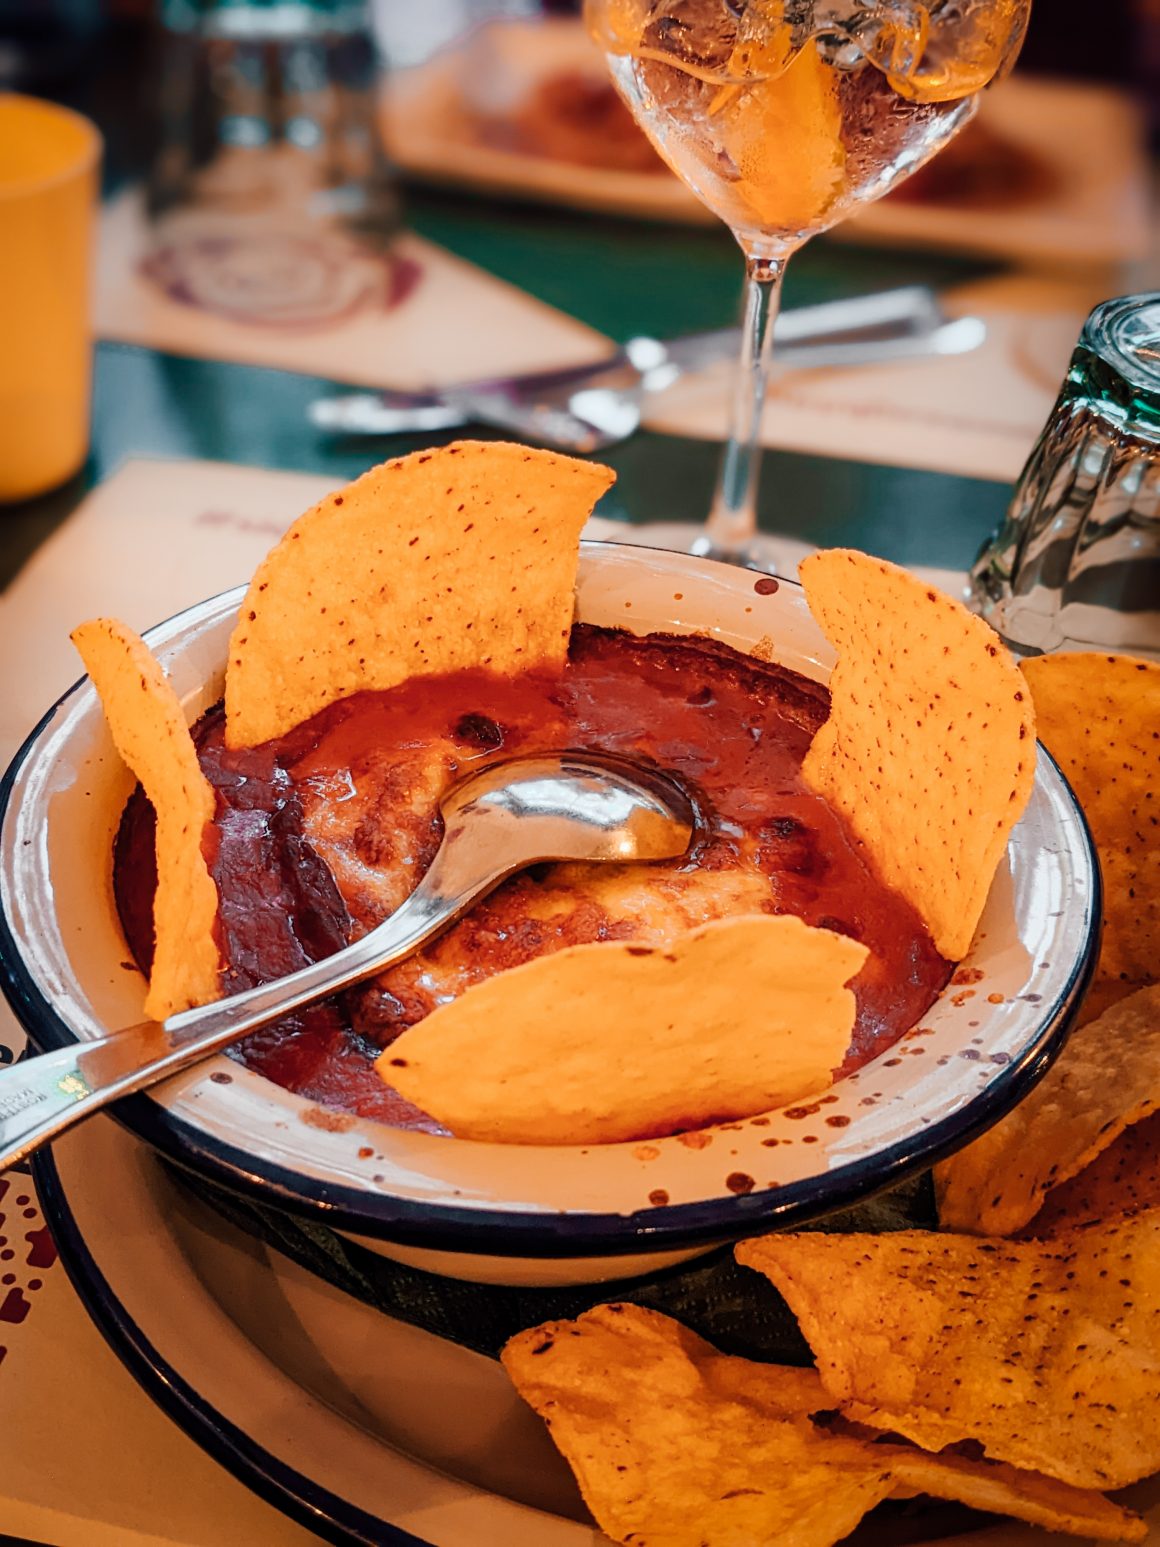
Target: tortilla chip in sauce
{"x":618,"y":1040}
{"x":929,"y":751}
{"x":463,"y":556}
{"x":148,"y":727}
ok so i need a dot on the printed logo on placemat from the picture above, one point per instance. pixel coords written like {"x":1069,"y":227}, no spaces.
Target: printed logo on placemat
{"x":27,"y":1251}
{"x":280,"y":279}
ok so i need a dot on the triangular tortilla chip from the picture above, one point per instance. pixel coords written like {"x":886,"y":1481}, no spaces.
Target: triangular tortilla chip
{"x":1106,"y":1078}
{"x":664,"y":1459}
{"x":1045,"y":1352}
{"x":149,"y":730}
{"x":1099,"y":717}
{"x":1126,"y":1177}
{"x":676,"y":1445}
{"x":1008,"y":1490}
{"x":462,"y":556}
{"x":618,"y":1040}
{"x":929,"y":750}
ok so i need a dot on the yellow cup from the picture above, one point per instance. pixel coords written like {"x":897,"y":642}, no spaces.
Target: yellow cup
{"x":48,"y":190}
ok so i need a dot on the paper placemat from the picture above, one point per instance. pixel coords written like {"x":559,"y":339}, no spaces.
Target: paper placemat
{"x":432,"y":320}
{"x":977,"y":415}
{"x":448,"y":321}
{"x":85,"y":1458}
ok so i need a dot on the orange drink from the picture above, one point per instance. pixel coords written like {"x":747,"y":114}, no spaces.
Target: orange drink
{"x":783,"y":116}
{"x":48,"y":185}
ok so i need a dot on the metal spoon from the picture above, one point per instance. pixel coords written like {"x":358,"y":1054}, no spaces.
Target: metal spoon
{"x":510,"y":815}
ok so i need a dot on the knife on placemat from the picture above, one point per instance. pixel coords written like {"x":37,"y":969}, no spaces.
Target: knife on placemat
{"x":595,"y":405}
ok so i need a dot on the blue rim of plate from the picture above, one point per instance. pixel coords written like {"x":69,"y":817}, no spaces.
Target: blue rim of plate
{"x":328,"y":1515}
{"x":510,"y":1233}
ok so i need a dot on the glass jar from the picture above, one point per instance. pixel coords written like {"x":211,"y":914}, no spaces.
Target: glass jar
{"x":1076,"y":562}
{"x":269,"y":197}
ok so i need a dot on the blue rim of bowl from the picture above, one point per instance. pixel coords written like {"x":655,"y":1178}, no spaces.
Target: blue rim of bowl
{"x":512,"y":1233}
{"x":327,"y":1514}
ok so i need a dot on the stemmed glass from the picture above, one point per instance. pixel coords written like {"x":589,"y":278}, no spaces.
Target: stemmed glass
{"x":783,"y":116}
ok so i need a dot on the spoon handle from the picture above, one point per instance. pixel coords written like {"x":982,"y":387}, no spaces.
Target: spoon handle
{"x":42,"y":1096}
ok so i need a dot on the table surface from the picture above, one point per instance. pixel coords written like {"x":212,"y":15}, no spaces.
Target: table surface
{"x":618,"y":276}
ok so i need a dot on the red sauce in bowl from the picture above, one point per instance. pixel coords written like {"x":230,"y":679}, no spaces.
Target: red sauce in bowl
{"x":321,"y":834}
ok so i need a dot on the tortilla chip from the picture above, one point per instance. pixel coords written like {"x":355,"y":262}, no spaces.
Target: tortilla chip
{"x":929,"y":750}
{"x":1126,"y":1177}
{"x":665,"y":1460}
{"x":676,"y":1445}
{"x":1000,"y":1489}
{"x":464,"y":556}
{"x":1045,"y":1352}
{"x":149,"y":731}
{"x":1106,"y":1078}
{"x":598,"y":1043}
{"x":1099,"y":716}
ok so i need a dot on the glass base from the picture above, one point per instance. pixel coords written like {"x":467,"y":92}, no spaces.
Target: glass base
{"x":766,"y":552}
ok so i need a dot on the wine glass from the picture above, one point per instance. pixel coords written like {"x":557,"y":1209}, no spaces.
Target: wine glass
{"x":783,"y":116}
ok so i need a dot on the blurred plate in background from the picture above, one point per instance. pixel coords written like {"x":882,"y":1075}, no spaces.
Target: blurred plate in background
{"x":1050,"y":171}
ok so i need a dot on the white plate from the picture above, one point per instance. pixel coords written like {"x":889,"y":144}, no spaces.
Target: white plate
{"x":1090,"y":137}
{"x":362,"y":1428}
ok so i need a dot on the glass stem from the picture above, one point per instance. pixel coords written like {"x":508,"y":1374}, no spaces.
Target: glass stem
{"x":733,"y":519}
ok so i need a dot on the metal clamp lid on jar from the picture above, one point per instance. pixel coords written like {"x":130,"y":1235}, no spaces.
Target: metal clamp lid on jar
{"x":1076,"y":563}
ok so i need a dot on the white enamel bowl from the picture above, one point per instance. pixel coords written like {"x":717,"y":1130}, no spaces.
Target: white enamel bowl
{"x":512,"y":1214}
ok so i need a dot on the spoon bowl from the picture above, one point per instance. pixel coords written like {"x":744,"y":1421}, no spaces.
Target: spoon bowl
{"x":508,"y":815}
{"x":567,"y":805}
